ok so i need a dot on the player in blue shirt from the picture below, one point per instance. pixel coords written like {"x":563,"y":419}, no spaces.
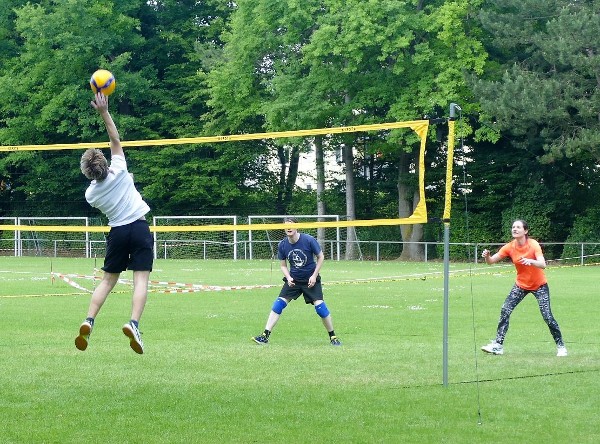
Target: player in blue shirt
{"x":302,"y":278}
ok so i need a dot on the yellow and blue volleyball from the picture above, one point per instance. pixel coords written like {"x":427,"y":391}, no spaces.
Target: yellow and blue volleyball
{"x":103,"y":81}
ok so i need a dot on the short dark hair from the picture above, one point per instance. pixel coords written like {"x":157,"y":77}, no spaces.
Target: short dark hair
{"x":290,"y":219}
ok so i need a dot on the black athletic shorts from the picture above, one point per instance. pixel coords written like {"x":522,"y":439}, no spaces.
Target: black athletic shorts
{"x":129,"y":247}
{"x":311,"y":294}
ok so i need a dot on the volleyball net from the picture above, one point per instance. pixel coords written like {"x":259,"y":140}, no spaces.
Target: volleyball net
{"x":209,"y":236}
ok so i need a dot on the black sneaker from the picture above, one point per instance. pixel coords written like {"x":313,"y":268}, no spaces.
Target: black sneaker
{"x":85,"y":330}
{"x":135,"y":338}
{"x":261,"y":339}
{"x":335,"y":341}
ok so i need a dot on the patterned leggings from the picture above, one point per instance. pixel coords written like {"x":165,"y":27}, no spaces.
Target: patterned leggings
{"x":516,"y":295}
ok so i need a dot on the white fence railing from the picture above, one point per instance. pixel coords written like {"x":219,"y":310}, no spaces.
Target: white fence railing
{"x":584,"y":252}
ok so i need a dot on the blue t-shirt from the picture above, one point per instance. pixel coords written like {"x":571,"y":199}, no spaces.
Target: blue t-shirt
{"x":300,"y":255}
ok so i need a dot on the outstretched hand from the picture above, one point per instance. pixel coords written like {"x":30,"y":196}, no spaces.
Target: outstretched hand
{"x":100,"y":102}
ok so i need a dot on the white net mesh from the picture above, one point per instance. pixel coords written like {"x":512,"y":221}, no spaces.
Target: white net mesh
{"x":52,"y":243}
{"x":185,"y":244}
{"x":262,"y":244}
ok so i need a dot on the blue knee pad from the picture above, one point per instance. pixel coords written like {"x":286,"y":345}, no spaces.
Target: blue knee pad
{"x":322,"y":310}
{"x":279,"y":305}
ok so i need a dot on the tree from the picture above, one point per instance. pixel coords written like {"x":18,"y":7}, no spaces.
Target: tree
{"x":546,"y":90}
{"x":181,"y":44}
{"x":540,"y":94}
{"x":290,"y":66}
{"x":46,"y":95}
{"x":155,"y":50}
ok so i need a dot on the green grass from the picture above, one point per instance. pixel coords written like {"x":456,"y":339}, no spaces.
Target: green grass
{"x":202,"y":380}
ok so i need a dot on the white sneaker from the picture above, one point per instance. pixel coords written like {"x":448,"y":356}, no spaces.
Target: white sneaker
{"x":494,"y":348}
{"x":561,"y":350}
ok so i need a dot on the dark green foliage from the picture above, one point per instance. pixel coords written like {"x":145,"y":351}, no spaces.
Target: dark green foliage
{"x":585,"y":229}
{"x":547,"y":95}
{"x":540,"y":96}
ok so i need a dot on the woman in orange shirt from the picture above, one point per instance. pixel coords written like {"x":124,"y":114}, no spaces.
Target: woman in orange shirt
{"x":526,"y":254}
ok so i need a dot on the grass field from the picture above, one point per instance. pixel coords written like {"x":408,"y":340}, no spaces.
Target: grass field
{"x":202,"y":380}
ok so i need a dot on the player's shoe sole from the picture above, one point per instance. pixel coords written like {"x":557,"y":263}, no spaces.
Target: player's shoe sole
{"x":135,"y":341}
{"x":81,"y":341}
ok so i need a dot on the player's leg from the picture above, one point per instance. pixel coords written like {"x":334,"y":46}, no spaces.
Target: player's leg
{"x":141,"y":261}
{"x":101,"y":292}
{"x":314,"y":295}
{"x":513,"y":299}
{"x":278,"y":305}
{"x":323,"y":311}
{"x":99,"y":296}
{"x":286,"y":294}
{"x":542,"y":295}
{"x":276,"y":309}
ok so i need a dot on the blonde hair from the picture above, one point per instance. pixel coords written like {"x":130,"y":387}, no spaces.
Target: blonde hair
{"x":94,"y":165}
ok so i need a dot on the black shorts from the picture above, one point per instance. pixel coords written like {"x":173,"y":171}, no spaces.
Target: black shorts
{"x":311,"y":294}
{"x":129,"y":247}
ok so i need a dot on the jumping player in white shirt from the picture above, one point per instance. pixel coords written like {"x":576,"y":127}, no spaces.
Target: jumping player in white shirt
{"x":129,"y":242}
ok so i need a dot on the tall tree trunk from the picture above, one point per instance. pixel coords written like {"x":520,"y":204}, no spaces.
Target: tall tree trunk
{"x":280,"y":186}
{"x":408,"y":198}
{"x":286,"y":183}
{"x":292,"y":175}
{"x":351,"y":245}
{"x":320,"y":164}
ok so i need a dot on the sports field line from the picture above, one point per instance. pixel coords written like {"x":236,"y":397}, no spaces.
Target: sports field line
{"x":181,"y":287}
{"x":187,"y":287}
{"x":171,"y":287}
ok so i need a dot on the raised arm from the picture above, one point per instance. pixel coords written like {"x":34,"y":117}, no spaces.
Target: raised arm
{"x":489,"y":257}
{"x":100,"y":103}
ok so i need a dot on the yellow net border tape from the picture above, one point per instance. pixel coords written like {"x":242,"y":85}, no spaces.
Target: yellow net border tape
{"x":419,"y":214}
{"x":419,"y":126}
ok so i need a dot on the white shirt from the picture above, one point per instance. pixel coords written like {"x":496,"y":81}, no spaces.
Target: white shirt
{"x":116,"y":196}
